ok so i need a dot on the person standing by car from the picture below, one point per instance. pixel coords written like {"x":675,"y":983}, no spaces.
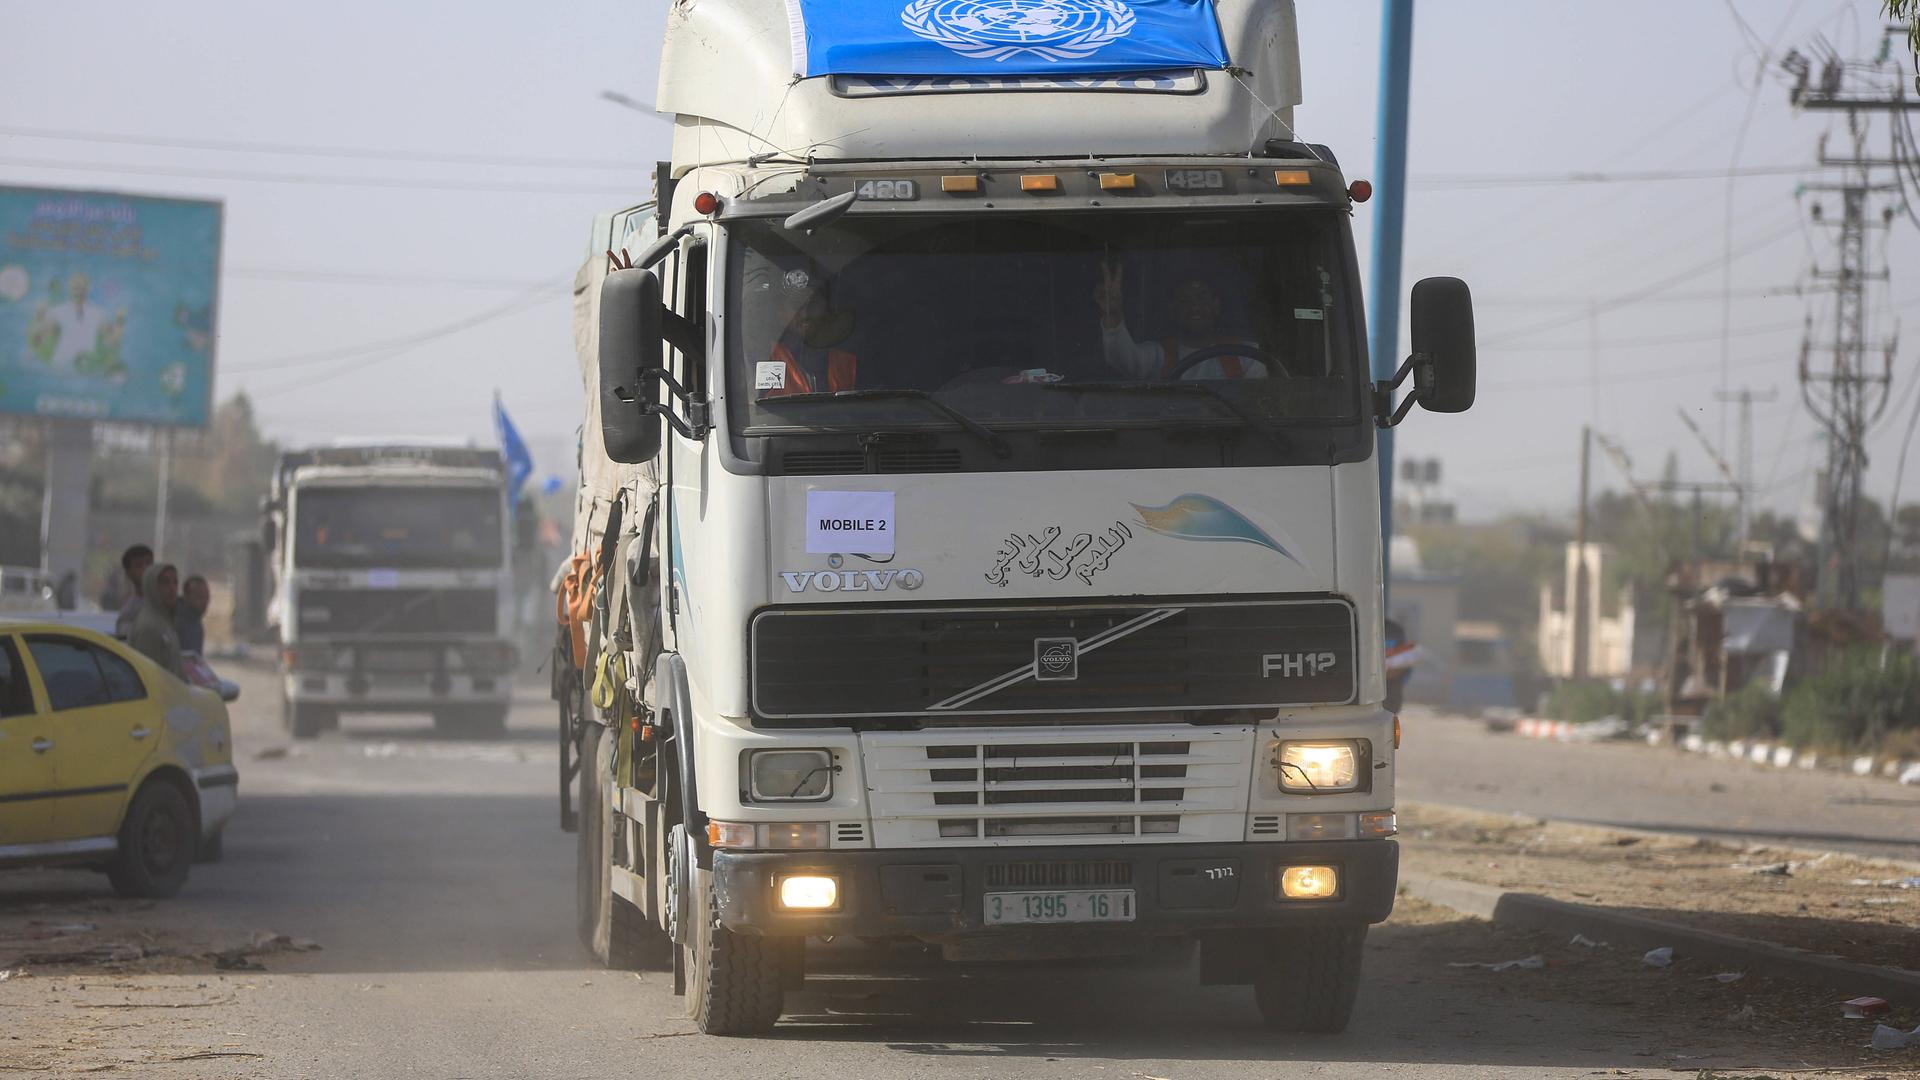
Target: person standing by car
{"x":134,"y":563}
{"x":190,"y":620}
{"x":154,"y":632}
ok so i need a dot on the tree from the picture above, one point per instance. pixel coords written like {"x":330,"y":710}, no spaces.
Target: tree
{"x":1907,"y":13}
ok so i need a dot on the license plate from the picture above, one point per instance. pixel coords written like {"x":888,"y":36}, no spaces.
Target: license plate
{"x":399,"y":659}
{"x":1071,"y":905}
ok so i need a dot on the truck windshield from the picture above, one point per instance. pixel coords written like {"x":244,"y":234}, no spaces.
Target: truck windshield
{"x":987,"y":312}
{"x":397,"y":527}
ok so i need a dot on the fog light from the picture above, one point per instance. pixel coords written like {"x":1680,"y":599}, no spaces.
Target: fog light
{"x":1309,"y":883}
{"x":1379,"y":823}
{"x":809,"y":892}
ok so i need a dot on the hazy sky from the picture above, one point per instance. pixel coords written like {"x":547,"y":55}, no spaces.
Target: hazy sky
{"x":426,"y":227}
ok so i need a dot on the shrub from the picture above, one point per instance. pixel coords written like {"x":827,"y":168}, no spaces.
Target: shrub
{"x":1750,"y":713}
{"x":1854,"y":703}
{"x":1580,"y":702}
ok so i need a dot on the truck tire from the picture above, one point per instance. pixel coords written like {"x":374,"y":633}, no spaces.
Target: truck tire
{"x":734,"y":982}
{"x":634,"y":943}
{"x":591,"y":888}
{"x":302,"y":721}
{"x":157,"y":842}
{"x":1309,"y":978}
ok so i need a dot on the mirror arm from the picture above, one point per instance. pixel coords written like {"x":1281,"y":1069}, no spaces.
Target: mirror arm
{"x":1384,"y":413}
{"x":682,"y":333}
{"x":698,"y":423}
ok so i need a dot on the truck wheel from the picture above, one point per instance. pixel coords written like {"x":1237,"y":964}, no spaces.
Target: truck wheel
{"x":157,"y":842}
{"x":302,"y":721}
{"x":733,"y":981}
{"x":1309,"y":978}
{"x":634,"y":943}
{"x":591,"y":889}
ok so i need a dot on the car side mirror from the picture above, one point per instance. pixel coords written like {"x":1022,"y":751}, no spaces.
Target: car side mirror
{"x":631,"y":350}
{"x":1443,"y":344}
{"x":229,"y":691}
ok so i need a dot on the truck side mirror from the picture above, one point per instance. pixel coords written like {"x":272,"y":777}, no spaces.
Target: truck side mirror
{"x":630,"y":345}
{"x":1443,"y":338}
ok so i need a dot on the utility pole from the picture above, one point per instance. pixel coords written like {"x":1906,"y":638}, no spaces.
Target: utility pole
{"x":1846,"y":397}
{"x":166,"y":489}
{"x":1390,"y":182}
{"x":1579,"y":579}
{"x":1745,"y":399}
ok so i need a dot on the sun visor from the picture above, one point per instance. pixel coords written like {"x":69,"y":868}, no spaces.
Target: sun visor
{"x":1003,"y":37}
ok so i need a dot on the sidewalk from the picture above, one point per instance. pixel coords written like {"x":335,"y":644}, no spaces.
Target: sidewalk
{"x":1864,"y":910}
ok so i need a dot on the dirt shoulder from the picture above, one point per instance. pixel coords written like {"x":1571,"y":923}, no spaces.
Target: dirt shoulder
{"x":1860,"y":909}
{"x":53,"y":921}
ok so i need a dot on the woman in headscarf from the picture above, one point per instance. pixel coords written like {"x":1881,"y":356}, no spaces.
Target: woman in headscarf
{"x":154,"y":632}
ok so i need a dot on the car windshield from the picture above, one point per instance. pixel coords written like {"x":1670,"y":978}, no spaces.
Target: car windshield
{"x":987,"y":313}
{"x":397,"y":526}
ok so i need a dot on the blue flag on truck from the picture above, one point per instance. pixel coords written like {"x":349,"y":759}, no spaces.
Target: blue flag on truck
{"x":1003,"y":37}
{"x":513,"y":449}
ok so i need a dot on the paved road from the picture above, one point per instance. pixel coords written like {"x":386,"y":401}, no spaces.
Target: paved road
{"x":1453,"y":760}
{"x":435,"y":877}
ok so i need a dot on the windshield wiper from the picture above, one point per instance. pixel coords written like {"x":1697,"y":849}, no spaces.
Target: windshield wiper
{"x":1001,"y":448}
{"x":1190,"y":388}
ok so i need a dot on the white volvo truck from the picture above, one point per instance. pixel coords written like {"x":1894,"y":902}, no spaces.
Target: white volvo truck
{"x":983,"y":470}
{"x":393,"y":587}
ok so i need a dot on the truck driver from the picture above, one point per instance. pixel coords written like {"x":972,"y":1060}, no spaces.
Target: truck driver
{"x":1194,"y":309}
{"x":805,"y":358}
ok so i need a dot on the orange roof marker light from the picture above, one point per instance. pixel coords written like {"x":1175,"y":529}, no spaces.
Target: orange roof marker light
{"x":1292,"y":177}
{"x":968,"y":184}
{"x":1360,"y":190}
{"x":706,"y":203}
{"x":1040,"y":182}
{"x":1118,"y":181}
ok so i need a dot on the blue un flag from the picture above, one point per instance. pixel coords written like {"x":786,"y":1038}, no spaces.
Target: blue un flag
{"x":514,"y":449}
{"x":1003,"y":37}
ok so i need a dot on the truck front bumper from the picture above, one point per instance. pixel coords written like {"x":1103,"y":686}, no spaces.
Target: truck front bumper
{"x":942,"y":893}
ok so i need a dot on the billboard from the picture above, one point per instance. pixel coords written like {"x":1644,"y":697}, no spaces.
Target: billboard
{"x":107,"y":306}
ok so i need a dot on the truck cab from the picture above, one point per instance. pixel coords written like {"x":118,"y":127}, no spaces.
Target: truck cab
{"x":393,"y":585}
{"x":990,"y":510}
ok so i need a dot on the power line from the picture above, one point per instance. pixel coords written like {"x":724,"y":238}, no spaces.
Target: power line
{"x":347,"y":277}
{"x":1482,"y":181}
{"x":526,"y":299}
{"x":1772,"y":292}
{"x":1643,"y":292}
{"x":525,"y":304}
{"x":236,"y":146}
{"x":397,"y":182}
{"x":1650,"y":342}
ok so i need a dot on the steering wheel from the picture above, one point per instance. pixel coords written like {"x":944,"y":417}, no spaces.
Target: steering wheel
{"x":1213,"y":352}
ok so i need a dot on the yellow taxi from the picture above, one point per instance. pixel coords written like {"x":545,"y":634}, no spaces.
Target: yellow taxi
{"x":108,"y":760}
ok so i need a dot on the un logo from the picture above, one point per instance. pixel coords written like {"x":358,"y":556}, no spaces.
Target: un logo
{"x":1052,"y":30}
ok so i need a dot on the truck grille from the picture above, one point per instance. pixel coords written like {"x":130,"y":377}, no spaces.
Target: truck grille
{"x":1172,"y":658}
{"x":1167,"y":784}
{"x":347,"y":612}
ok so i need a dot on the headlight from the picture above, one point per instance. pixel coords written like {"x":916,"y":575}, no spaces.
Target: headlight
{"x":1319,"y":768}
{"x":789,"y":775}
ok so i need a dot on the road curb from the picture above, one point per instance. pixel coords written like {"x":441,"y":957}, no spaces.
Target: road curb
{"x":1637,"y":932}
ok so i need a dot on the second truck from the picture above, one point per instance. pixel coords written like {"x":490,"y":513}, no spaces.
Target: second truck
{"x":393,"y":586}
{"x":979,"y":532}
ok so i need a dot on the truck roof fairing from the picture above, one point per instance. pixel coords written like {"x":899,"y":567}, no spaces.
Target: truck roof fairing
{"x":728,"y":73}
